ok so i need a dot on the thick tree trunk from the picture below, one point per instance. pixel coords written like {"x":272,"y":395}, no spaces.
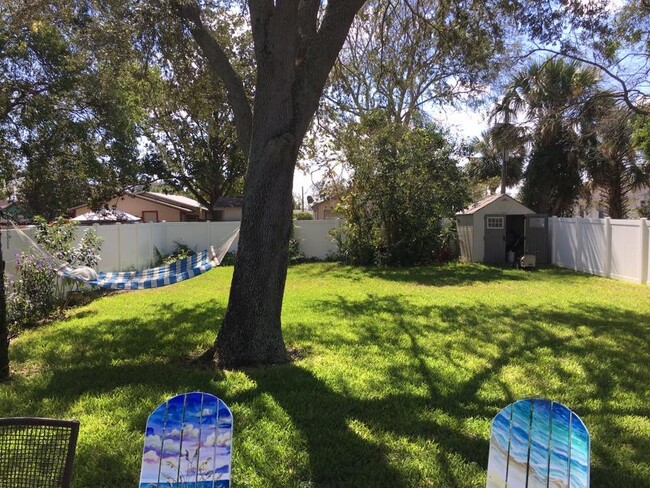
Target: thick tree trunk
{"x":251,"y":331}
{"x":294,"y":54}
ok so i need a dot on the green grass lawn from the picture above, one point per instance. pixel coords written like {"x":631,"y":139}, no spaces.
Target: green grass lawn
{"x":400,"y":376}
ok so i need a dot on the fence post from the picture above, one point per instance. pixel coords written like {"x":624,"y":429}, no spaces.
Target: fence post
{"x":578,"y":250}
{"x":553,"y":228}
{"x":645,"y":247}
{"x":119,"y":245}
{"x":149,"y":234}
{"x":608,"y":247}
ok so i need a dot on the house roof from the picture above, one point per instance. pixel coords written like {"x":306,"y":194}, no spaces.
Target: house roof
{"x":328,"y":201}
{"x":229,"y":202}
{"x":107,"y":215}
{"x":178,"y":200}
{"x":484,"y":202}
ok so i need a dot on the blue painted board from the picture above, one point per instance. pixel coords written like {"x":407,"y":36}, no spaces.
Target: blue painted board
{"x":538,"y":443}
{"x":188,"y":442}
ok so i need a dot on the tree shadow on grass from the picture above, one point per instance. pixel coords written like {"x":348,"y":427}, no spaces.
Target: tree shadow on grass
{"x":590,"y":357}
{"x":122,"y":367}
{"x":464,"y":364}
{"x":448,"y":274}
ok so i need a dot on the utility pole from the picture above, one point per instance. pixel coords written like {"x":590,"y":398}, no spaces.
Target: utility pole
{"x":504,"y":141}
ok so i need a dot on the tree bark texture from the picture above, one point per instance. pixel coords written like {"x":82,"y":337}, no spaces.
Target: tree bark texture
{"x":294,"y":55}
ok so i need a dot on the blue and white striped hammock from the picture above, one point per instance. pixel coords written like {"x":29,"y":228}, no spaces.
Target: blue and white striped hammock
{"x":175,"y":272}
{"x":168,"y":274}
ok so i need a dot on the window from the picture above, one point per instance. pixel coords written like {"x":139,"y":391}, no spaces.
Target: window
{"x":495,"y":222}
{"x":536,"y":222}
{"x":217,"y":215}
{"x":150,"y":216}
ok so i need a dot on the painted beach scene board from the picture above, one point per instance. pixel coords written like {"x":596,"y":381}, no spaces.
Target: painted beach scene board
{"x":188,"y":443}
{"x":538,"y":443}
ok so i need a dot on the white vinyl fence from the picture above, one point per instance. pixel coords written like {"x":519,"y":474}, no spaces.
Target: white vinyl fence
{"x":616,"y":249}
{"x":131,"y":246}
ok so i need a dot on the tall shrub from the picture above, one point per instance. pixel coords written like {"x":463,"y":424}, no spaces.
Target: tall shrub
{"x":405,"y":182}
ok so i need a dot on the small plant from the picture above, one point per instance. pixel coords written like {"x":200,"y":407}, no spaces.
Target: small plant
{"x":228,"y":259}
{"x":181,"y":251}
{"x":295,"y":254}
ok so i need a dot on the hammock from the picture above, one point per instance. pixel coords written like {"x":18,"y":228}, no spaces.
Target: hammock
{"x":168,"y":274}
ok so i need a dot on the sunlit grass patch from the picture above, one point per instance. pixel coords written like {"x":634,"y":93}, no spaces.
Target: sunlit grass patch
{"x":401,"y":372}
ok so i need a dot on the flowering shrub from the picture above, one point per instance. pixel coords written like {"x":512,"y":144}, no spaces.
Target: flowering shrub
{"x":35,"y":289}
{"x":33,"y":292}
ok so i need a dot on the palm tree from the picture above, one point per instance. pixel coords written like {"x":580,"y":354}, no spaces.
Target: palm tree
{"x":613,"y":165}
{"x":551,"y":96}
{"x":498,"y":156}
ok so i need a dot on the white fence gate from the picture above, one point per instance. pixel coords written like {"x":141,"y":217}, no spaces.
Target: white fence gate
{"x":616,"y":249}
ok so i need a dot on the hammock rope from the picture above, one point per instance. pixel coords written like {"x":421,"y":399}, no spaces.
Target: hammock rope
{"x":168,"y":274}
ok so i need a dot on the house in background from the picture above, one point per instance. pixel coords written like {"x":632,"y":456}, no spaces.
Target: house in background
{"x":227,"y":209}
{"x":596,"y":208}
{"x":154,"y":207}
{"x":324,"y":210}
{"x":158,"y":207}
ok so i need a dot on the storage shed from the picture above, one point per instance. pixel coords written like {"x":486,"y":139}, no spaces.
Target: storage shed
{"x":497,"y":229}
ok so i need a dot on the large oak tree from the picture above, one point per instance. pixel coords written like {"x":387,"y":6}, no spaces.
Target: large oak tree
{"x":296,"y":44}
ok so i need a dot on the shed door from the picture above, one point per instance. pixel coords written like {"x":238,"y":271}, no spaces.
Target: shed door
{"x":537,"y":237}
{"x":495,"y":239}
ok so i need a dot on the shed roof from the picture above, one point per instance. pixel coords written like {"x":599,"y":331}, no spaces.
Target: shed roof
{"x":484,"y":202}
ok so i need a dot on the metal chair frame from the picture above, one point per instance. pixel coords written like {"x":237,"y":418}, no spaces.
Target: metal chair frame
{"x":23,"y":452}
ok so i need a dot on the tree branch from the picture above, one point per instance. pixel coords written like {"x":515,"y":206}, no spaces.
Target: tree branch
{"x":320,"y":56}
{"x":190,"y":13}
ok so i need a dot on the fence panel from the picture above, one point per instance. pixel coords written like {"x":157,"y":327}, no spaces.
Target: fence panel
{"x":131,"y":246}
{"x":626,"y":250}
{"x":314,"y":238}
{"x":618,"y":249}
{"x":593,"y":251}
{"x":564,"y":239}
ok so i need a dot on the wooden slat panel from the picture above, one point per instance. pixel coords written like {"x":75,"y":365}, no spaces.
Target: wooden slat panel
{"x":171,"y":446}
{"x":540,"y":433}
{"x":207,"y":457}
{"x":579,"y":454}
{"x":499,"y":443}
{"x":190,"y":439}
{"x":188,"y":443}
{"x":519,"y":444}
{"x":559,"y":465}
{"x":152,"y":453}
{"x":224,"y":446}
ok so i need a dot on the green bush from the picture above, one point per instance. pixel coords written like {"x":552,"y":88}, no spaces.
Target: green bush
{"x":35,"y":291}
{"x":406,"y":184}
{"x":303,"y":216}
{"x":33,"y":296}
